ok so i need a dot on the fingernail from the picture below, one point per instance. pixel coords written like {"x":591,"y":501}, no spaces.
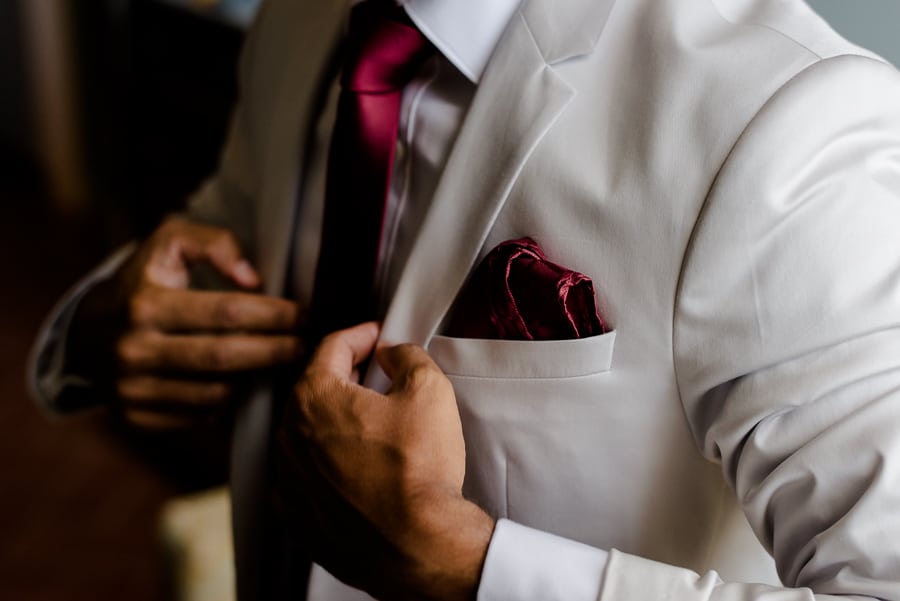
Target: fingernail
{"x":245,"y":273}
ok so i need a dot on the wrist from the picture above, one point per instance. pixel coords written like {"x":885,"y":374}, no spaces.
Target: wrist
{"x":450,"y":543}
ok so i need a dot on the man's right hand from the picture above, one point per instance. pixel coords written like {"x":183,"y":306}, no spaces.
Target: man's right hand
{"x":173,"y":356}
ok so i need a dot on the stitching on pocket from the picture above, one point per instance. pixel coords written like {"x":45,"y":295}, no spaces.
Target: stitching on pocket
{"x":523,"y":360}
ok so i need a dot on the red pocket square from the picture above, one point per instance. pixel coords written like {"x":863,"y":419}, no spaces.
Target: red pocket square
{"x":517,"y":294}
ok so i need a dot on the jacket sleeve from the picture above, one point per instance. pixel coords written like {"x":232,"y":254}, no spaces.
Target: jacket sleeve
{"x":787,"y":351}
{"x":56,"y":388}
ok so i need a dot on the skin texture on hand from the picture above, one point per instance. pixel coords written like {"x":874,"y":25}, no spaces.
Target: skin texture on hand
{"x":371,"y":483}
{"x":171,"y":357}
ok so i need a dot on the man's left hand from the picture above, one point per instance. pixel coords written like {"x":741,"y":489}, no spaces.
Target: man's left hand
{"x":372,"y":483}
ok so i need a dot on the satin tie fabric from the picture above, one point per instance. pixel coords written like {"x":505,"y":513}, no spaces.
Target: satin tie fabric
{"x":384,"y":52}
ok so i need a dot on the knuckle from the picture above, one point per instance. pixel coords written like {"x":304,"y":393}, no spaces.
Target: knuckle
{"x":219,"y":357}
{"x":420,"y":376}
{"x":408,"y":353}
{"x":330,"y":340}
{"x":154,"y":422}
{"x":134,"y":418}
{"x":305,"y":397}
{"x":446,"y":388}
{"x":130,"y":352}
{"x":227,"y":313}
{"x":219,"y":392}
{"x":302,"y":390}
{"x":171,"y":224}
{"x":168,"y":232}
{"x":141,"y":309}
{"x":160,"y":235}
{"x":286,"y":350}
{"x":126,"y":389}
{"x":223,"y":239}
{"x":313,"y":384}
{"x":287,"y":313}
{"x":312,"y":387}
{"x":147,"y":270}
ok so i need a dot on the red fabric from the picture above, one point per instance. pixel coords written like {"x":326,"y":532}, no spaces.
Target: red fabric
{"x":517,"y":294}
{"x":384,"y":52}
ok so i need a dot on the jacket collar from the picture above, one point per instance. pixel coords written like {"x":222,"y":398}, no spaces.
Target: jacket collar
{"x":467,"y":32}
{"x":564,"y":32}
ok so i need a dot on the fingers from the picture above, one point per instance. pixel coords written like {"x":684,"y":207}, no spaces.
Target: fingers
{"x":408,"y":366}
{"x":179,"y":242}
{"x":175,"y":310}
{"x":159,"y":404}
{"x":331,"y":376}
{"x":341,"y":352}
{"x":159,"y":421}
{"x":149,"y":351}
{"x":160,"y":329}
{"x":145,"y":392}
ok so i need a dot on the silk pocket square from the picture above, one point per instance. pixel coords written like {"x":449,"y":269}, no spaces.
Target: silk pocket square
{"x":517,"y":294}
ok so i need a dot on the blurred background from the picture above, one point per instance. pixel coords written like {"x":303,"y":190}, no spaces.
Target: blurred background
{"x":111,"y":112}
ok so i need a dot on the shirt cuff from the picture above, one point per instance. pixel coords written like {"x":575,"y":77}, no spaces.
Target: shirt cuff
{"x":524,"y":564}
{"x":48,"y":380}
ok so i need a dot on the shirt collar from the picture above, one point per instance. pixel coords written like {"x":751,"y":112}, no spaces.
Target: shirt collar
{"x":464,"y":31}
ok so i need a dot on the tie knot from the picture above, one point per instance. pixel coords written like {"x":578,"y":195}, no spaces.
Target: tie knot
{"x":384,"y":48}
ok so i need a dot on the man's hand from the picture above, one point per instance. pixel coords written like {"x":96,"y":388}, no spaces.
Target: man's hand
{"x":172,"y":356}
{"x":372,"y":483}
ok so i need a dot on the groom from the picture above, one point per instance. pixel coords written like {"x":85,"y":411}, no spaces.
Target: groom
{"x":723,"y":172}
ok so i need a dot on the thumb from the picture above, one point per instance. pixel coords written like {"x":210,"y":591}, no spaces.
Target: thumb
{"x":341,"y":352}
{"x":400,"y":361}
{"x":183,"y":242}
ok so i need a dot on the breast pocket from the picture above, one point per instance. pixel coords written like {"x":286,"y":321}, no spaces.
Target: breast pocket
{"x":523,"y":359}
{"x":530,"y":413}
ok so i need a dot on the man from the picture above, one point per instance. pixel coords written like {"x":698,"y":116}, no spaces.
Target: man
{"x":725,"y":171}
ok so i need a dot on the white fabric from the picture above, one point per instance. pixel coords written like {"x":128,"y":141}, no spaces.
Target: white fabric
{"x":464,"y":31}
{"x":726,"y":172}
{"x":609,"y":457}
{"x":524,"y":563}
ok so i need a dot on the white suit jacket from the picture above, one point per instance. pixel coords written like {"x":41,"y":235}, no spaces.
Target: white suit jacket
{"x":728,"y":174}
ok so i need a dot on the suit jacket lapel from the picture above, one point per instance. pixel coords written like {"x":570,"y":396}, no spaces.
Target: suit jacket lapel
{"x":309,"y":53}
{"x":307,"y":50}
{"x":518,"y":100}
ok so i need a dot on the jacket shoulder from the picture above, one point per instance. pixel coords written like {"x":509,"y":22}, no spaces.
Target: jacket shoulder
{"x":795,"y":20}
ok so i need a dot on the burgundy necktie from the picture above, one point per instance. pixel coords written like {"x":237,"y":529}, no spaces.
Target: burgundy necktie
{"x":384,"y":52}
